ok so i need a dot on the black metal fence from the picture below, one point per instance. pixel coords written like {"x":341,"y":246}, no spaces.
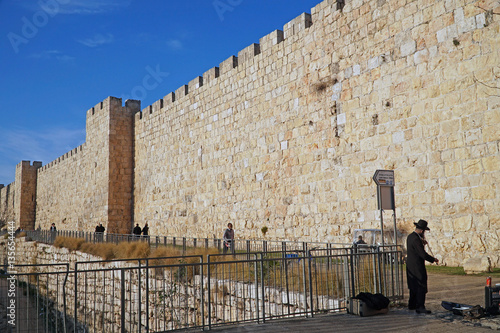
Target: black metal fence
{"x":162,"y":294}
{"x":241,"y":245}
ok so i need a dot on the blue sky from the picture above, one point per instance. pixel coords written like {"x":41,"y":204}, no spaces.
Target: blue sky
{"x":58,"y":58}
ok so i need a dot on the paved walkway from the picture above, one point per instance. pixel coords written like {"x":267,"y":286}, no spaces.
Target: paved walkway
{"x":460,"y":289}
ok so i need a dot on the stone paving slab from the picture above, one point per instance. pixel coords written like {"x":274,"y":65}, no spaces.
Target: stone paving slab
{"x":394,"y":321}
{"x":460,"y":289}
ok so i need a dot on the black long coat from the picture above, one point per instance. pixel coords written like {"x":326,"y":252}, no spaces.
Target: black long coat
{"x":416,"y":274}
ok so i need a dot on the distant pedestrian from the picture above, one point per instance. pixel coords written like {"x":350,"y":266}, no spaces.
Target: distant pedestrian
{"x":360,"y":241}
{"x":137,"y":230}
{"x":229,"y":239}
{"x":145,"y":230}
{"x":99,"y":230}
{"x":53,"y":232}
{"x":416,"y":274}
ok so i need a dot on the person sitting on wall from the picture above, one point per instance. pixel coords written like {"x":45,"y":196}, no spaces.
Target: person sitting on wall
{"x":137,"y":230}
{"x":53,"y":227}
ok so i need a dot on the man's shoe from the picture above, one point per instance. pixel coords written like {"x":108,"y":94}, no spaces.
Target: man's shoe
{"x":424,"y":311}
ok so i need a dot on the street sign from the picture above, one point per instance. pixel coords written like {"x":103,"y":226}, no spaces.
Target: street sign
{"x":384,"y":177}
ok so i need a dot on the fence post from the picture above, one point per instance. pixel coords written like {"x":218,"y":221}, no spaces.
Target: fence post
{"x":140,"y":296}
{"x":147,"y":295}
{"x":122,"y":315}
{"x":209,"y":295}
{"x":75,"y":288}
{"x":304,"y":257}
{"x":263,"y":289}
{"x":309,"y":259}
{"x":353,"y":290}
{"x":202,"y":294}
{"x":379,"y":284}
{"x":256,"y":278}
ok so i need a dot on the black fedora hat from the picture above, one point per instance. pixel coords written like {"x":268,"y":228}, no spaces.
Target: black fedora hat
{"x":421,"y":224}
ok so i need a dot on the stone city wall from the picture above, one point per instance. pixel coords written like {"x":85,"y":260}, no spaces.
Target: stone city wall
{"x":7,"y":203}
{"x":92,"y":183}
{"x":288,"y":134}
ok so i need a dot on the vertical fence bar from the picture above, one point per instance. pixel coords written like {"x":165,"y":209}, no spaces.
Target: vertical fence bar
{"x":309,"y":259}
{"x":263,"y":289}
{"x":353,"y":287}
{"x":147,"y":295}
{"x":209,"y":305}
{"x":122,"y":315}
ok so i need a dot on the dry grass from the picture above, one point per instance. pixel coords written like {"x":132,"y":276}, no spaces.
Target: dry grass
{"x":70,"y":243}
{"x":133,"y":250}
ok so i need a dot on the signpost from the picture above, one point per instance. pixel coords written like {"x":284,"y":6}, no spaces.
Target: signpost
{"x":385,"y":196}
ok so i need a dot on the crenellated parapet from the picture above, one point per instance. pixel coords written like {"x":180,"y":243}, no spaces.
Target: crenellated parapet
{"x":231,"y":65}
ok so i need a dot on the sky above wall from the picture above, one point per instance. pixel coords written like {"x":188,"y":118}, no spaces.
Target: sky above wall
{"x":59,"y":58}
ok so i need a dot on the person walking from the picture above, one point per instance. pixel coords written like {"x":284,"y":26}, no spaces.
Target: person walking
{"x":416,"y":274}
{"x":145,"y":231}
{"x":229,"y":239}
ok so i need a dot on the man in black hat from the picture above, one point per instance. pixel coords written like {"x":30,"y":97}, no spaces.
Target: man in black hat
{"x":416,"y":273}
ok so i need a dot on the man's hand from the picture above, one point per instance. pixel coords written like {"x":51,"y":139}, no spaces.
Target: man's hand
{"x":436,"y":261}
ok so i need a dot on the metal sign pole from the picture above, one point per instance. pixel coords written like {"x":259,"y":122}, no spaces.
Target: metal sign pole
{"x":379,"y":196}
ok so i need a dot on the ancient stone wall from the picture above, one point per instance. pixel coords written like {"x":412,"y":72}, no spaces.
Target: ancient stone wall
{"x":288,"y":134}
{"x":92,"y":183}
{"x":7,"y":194}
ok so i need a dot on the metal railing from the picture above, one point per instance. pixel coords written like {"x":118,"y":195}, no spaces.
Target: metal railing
{"x":241,"y":245}
{"x":161,"y":294}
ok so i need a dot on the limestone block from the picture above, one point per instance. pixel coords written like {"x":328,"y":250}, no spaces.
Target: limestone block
{"x":463,"y":223}
{"x":477,"y":265}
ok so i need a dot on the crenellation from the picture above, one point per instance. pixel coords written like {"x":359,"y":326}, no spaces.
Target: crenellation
{"x":271,"y":39}
{"x":195,"y":84}
{"x":227,"y":65}
{"x":147,"y":111}
{"x":210,"y":75}
{"x":181,"y":92}
{"x":298,"y":24}
{"x":248,"y":53}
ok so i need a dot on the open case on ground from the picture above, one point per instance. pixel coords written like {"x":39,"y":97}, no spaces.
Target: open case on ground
{"x":360,"y":308}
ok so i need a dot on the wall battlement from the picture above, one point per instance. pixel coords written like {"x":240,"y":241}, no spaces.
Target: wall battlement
{"x":245,"y":57}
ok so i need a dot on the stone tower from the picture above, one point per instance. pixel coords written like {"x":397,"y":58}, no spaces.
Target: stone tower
{"x":25,"y":194}
{"x":110,"y":155}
